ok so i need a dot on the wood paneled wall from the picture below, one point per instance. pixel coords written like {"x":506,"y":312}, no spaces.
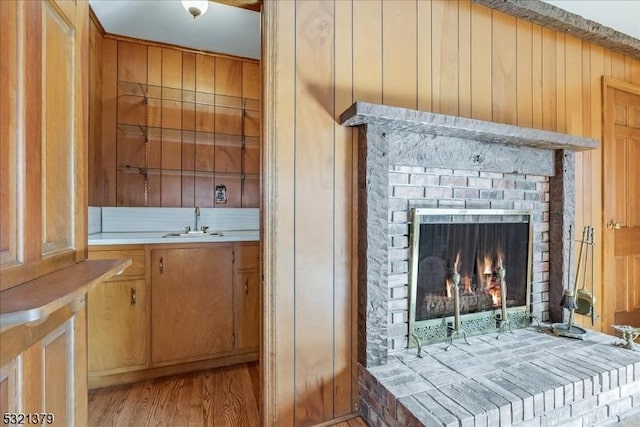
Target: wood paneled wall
{"x":449,"y":57}
{"x":192,"y":136}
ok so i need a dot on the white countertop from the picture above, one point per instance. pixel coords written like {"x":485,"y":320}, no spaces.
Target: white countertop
{"x":150,"y":237}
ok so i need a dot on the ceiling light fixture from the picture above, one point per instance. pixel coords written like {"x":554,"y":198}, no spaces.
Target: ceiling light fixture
{"x":196,"y":7}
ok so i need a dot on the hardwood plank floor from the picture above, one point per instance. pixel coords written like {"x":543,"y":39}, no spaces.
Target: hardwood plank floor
{"x":218,"y":397}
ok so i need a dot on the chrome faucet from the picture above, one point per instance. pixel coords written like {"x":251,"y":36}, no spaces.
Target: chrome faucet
{"x":196,"y":215}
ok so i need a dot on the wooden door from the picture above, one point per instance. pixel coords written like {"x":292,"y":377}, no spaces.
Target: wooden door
{"x":621,"y":287}
{"x":191,"y":303}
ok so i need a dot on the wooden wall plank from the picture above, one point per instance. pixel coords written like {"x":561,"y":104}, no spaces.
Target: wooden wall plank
{"x":464,"y":60}
{"x":367,"y":50}
{"x":560,"y":83}
{"x":345,"y":256}
{"x":503,"y":70}
{"x":280,"y":250}
{"x":549,"y":100}
{"x":109,"y":114}
{"x":481,"y":93}
{"x":399,"y":66}
{"x":573,"y":86}
{"x":536,"y":76}
{"x":424,"y":55}
{"x":524,"y":71}
{"x":314,"y":211}
{"x":188,"y":137}
{"x":444,"y":45}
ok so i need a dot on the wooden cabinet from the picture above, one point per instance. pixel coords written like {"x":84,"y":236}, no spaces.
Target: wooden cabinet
{"x":192,"y":303}
{"x":118,"y":317}
{"x":176,"y":308}
{"x":42,"y":138}
{"x":248,"y":291}
{"x":42,"y":367}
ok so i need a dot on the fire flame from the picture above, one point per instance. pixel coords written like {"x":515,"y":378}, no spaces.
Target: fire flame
{"x":495,"y":295}
{"x":466,"y":281}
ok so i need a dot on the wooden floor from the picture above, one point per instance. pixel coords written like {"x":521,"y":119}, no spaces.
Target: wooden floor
{"x":219,"y":397}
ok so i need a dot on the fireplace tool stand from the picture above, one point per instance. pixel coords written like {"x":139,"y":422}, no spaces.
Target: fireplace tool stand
{"x":568,"y":301}
{"x":455,"y":330}
{"x":503,"y":317}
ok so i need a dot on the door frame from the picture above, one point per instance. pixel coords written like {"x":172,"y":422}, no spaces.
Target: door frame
{"x":607,"y":235}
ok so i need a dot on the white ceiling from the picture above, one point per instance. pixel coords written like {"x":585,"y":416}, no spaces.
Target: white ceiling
{"x":621,"y":15}
{"x":223,"y":29}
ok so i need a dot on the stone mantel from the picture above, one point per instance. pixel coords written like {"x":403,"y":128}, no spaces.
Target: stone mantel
{"x":402,"y":119}
{"x":392,"y":136}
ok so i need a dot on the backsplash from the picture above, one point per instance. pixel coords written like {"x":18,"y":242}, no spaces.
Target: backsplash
{"x":121,"y":220}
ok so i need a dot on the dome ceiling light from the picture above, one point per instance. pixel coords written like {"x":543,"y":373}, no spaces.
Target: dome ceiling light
{"x":196,"y":7}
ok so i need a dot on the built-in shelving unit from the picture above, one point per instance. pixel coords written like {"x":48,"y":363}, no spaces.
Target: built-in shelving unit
{"x":207,"y":130}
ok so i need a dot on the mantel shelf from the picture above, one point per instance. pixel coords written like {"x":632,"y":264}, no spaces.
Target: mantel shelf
{"x":33,"y":301}
{"x":423,"y":122}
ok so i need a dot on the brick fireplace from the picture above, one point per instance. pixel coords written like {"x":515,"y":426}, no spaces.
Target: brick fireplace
{"x":412,"y":159}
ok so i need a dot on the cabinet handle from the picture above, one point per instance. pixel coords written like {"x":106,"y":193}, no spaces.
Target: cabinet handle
{"x":161,"y":265}
{"x":246,"y":287}
{"x":133,"y":296}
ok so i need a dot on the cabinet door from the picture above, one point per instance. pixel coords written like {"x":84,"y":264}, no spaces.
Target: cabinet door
{"x":118,"y":326}
{"x":43,"y":137}
{"x":191,"y":303}
{"x":248,"y":291}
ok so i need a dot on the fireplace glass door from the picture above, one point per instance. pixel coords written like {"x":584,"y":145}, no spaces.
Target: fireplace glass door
{"x":486,"y":254}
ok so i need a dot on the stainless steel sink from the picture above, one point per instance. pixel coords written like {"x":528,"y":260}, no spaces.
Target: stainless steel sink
{"x":195,"y":234}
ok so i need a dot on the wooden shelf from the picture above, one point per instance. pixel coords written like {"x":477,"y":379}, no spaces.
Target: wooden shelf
{"x":33,"y":301}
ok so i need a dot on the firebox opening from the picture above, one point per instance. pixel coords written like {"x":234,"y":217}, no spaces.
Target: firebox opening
{"x":488,"y":253}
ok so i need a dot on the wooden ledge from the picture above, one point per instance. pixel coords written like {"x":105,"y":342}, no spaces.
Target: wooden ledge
{"x":33,"y":301}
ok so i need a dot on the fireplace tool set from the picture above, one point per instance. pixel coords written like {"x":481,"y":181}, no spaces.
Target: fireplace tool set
{"x":578,"y":301}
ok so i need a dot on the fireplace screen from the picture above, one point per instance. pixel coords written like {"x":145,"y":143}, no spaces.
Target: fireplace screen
{"x":487,"y":252}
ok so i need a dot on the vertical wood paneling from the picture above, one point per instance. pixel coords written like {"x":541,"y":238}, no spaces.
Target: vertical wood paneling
{"x":524,"y":71}
{"x":454,"y":58}
{"x":560,"y":83}
{"x":444,"y":54}
{"x":279,"y":263}
{"x":367,"y":50}
{"x":549,"y":100}
{"x":536,"y":76}
{"x":503,"y":69}
{"x":399,"y":66}
{"x":464,"y":58}
{"x":424,"y":55}
{"x":345,"y":256}
{"x":481,"y":100}
{"x":314,"y":210}
{"x":109,"y":112}
{"x":573,"y":86}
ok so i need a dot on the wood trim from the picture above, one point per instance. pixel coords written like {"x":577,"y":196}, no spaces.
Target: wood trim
{"x":98,"y":379}
{"x":96,"y":21}
{"x":127,"y":39}
{"x":617,"y":84}
{"x":268,"y":409}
